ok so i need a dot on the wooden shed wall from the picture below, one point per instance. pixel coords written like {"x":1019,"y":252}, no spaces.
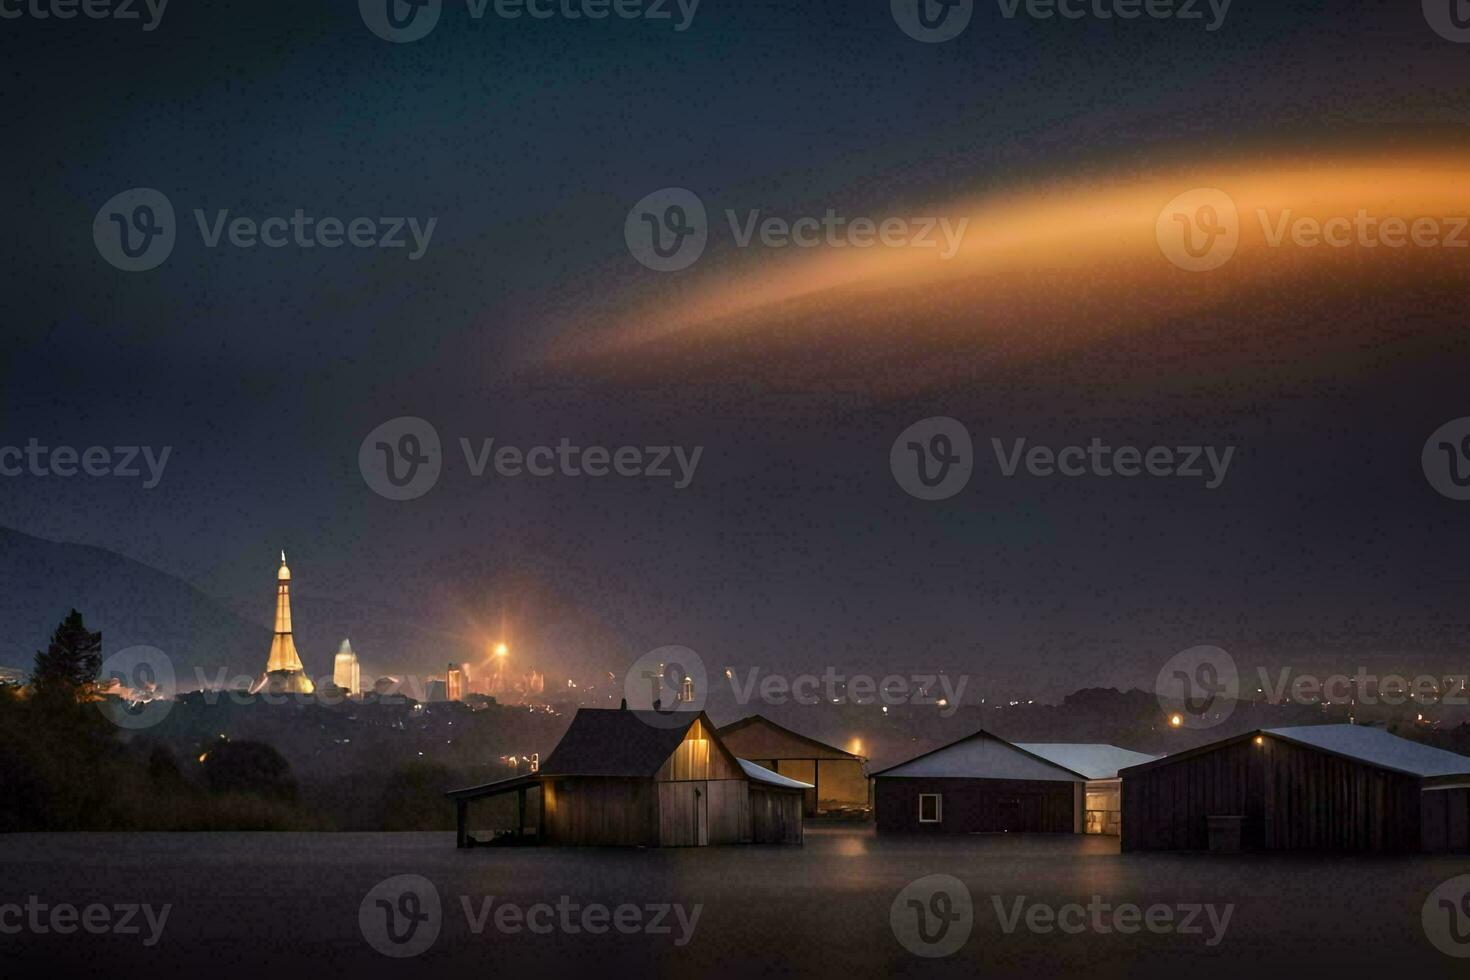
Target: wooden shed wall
{"x":1317,"y":801}
{"x":1165,"y":808}
{"x":694,"y":813}
{"x":729,"y":811}
{"x":775,"y":815}
{"x":600,"y":810}
{"x":700,"y":756}
{"x":1444,"y":820}
{"x":1292,"y":798}
{"x":973,"y":806}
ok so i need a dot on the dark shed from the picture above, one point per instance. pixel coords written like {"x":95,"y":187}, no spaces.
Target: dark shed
{"x":980,"y":784}
{"x":1319,"y":787}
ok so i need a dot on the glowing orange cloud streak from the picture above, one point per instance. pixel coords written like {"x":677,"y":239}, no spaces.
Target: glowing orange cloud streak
{"x":1063,"y":263}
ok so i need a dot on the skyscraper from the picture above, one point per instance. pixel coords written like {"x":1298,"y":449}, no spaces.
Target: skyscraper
{"x":346,"y":672}
{"x":454,"y":683}
{"x":284,"y":673}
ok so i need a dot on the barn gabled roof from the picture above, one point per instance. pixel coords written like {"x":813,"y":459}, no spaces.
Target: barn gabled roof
{"x":1378,"y":748}
{"x":965,"y":759}
{"x":1091,"y":759}
{"x":619,"y":742}
{"x":1360,"y":743}
{"x":826,"y":751}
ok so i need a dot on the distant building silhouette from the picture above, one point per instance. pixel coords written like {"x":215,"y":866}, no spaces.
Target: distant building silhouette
{"x":346,"y":672}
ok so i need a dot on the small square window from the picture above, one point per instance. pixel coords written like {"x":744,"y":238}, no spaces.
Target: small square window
{"x":931,"y":808}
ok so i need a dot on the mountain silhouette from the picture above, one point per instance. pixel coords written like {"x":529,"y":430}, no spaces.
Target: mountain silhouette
{"x":130,"y":602}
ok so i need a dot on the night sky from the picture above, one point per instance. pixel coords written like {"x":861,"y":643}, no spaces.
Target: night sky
{"x":529,"y":141}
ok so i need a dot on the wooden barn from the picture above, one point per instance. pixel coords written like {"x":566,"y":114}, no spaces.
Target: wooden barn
{"x":621,"y":777}
{"x":839,"y":779}
{"x":1318,"y":787}
{"x":985,"y":784}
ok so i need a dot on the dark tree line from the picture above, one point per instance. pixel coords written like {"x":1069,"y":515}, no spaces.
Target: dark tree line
{"x":64,"y":766}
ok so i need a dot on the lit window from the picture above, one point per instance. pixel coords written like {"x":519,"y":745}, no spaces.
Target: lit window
{"x":931,"y":808}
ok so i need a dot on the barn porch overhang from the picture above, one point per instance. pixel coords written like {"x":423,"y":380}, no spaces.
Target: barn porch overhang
{"x":519,"y":785}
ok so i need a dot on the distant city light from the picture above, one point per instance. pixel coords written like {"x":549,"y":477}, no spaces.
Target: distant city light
{"x":501,"y":649}
{"x":1176,"y":720}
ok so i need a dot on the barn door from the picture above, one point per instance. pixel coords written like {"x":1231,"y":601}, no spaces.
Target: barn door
{"x":683,"y":814}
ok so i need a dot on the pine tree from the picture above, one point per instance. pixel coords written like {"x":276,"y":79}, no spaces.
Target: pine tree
{"x":70,"y":664}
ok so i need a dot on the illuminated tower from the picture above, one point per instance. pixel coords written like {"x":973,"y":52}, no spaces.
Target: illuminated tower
{"x":284,"y":672}
{"x":454,"y":683}
{"x":346,"y":672}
